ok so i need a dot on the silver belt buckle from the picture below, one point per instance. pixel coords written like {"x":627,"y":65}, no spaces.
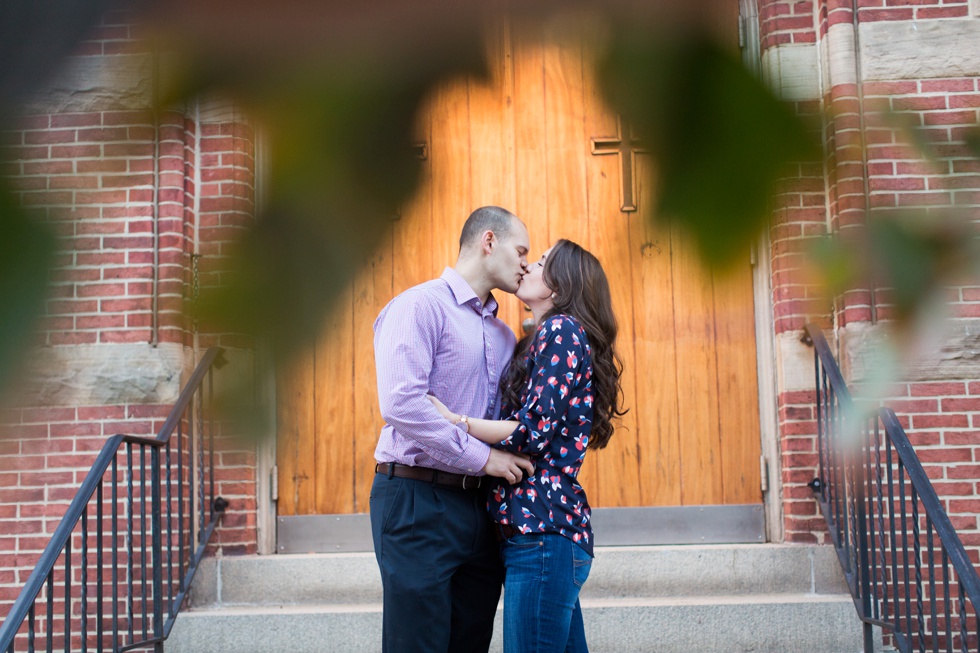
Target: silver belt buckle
{"x":475,"y":486}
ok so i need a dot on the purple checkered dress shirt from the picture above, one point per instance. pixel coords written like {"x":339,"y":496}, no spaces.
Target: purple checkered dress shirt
{"x":437,"y":338}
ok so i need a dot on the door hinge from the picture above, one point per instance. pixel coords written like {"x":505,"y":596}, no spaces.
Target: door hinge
{"x":763,"y":474}
{"x":274,"y":481}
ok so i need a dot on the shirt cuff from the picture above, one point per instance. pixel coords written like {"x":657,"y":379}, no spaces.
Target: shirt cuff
{"x":474,"y":457}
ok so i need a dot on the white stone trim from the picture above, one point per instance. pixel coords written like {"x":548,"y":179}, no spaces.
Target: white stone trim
{"x":794,"y":362}
{"x":105,"y":375}
{"x":841,"y":63}
{"x":98,"y":83}
{"x":792,"y":71}
{"x":892,"y":50}
{"x":768,"y":404}
{"x":944,"y":350}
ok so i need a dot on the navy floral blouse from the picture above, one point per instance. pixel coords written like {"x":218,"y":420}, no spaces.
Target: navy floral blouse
{"x":555,"y":422}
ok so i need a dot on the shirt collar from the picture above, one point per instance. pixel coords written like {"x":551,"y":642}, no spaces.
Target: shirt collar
{"x":464,"y":294}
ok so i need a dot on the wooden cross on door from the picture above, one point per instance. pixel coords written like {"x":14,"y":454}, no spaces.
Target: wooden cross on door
{"x":627,"y":148}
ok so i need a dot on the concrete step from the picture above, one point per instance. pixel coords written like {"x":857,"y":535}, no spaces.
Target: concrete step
{"x":623,"y":572}
{"x":777,"y":623}
{"x":717,"y":598}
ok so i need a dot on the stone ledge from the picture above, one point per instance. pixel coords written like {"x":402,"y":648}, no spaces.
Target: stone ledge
{"x":119,"y":374}
{"x":892,"y":50}
{"x":105,"y":375}
{"x":98,"y":83}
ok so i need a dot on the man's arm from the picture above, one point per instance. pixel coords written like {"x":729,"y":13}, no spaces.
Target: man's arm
{"x":405,"y":343}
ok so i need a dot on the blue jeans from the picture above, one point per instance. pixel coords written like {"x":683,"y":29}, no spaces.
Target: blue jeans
{"x":544,"y":573}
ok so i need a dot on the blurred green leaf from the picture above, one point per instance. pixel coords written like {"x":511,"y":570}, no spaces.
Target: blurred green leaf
{"x":912,"y":255}
{"x":341,"y":163}
{"x":915,"y":254}
{"x":836,"y":262}
{"x":26,"y":253}
{"x":720,"y":138}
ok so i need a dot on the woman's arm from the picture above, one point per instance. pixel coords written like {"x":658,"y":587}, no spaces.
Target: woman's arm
{"x":490,"y":431}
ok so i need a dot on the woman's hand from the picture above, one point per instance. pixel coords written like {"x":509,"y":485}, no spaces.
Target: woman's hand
{"x":441,"y":407}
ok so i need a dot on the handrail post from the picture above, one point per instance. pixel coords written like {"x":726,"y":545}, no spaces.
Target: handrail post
{"x":157,"y":545}
{"x":864,"y":565}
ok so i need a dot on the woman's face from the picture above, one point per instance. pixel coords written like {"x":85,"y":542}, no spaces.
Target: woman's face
{"x":533,"y":291}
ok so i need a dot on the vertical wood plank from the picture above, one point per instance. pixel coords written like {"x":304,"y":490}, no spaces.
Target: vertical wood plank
{"x":697,"y":385}
{"x":412,"y":236}
{"x":530,"y":147}
{"x":491,"y":143}
{"x":567,"y":149}
{"x":450,"y":162}
{"x":296,"y":437}
{"x":567,"y":143}
{"x":658,"y":403}
{"x":617,"y":468}
{"x":333,"y":401}
{"x":737,"y":385}
{"x":372,"y":290}
{"x":512,"y":310}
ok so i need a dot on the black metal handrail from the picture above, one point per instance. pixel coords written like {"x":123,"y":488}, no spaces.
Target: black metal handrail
{"x":904,"y":563}
{"x":136,"y":600}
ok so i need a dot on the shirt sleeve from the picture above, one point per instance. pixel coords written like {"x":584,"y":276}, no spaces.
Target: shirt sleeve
{"x":559,"y":355}
{"x":406,"y":339}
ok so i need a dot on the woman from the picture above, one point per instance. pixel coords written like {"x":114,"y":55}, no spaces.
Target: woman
{"x":562,"y":392}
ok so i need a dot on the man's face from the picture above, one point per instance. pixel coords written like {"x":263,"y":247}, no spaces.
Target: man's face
{"x":508,"y":261}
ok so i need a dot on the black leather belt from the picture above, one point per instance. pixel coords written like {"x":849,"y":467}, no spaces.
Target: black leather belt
{"x":446,"y":479}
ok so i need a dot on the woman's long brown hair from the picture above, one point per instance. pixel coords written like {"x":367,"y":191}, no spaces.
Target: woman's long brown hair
{"x":582,"y":291}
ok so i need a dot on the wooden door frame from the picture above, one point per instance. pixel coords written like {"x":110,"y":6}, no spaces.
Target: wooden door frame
{"x":266,"y":485}
{"x":765,"y":354}
{"x":765,"y":335}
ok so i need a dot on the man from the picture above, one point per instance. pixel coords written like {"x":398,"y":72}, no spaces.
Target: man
{"x":434,"y":542}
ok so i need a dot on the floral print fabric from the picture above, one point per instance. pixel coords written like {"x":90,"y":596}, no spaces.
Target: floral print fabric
{"x":555,"y":420}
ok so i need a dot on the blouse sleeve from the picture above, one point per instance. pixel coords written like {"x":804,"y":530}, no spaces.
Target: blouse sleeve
{"x":558,"y":353}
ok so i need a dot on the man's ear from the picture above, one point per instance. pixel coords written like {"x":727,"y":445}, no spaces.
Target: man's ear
{"x":488,"y":241}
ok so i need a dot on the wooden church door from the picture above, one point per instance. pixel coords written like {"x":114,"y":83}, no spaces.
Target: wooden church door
{"x":537,"y":140}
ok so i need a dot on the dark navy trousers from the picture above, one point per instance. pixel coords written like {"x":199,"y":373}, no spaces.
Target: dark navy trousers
{"x":440,"y":566}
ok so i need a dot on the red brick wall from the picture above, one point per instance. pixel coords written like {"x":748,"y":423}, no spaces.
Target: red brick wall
{"x":90,"y":177}
{"x":942,"y":419}
{"x":799,"y":214}
{"x":45,"y":454}
{"x":899,"y":176}
{"x":802,"y":520}
{"x":786,"y":21}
